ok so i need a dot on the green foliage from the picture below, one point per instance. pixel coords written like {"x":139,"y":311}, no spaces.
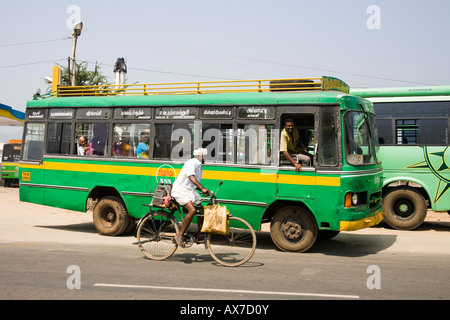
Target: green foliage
{"x":84,"y":77}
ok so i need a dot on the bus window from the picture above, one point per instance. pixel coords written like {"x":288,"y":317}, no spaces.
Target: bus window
{"x":96,"y":135}
{"x":218,"y":139}
{"x":328,"y":148}
{"x":384,"y":131}
{"x":34,"y":141}
{"x":173,"y":141}
{"x":406,"y":131}
{"x":304,"y":125}
{"x":58,"y":138}
{"x":358,"y":140}
{"x":127,"y":137}
{"x":433,"y":132}
{"x":255,"y":143}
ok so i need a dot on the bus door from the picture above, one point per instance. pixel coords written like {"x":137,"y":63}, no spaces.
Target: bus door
{"x":302,"y":184}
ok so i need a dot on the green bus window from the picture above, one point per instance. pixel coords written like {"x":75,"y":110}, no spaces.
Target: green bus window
{"x":218,"y":140}
{"x":127,"y":139}
{"x":358,"y":139}
{"x":34,"y":141}
{"x":384,"y":131}
{"x":327,"y":153}
{"x":96,"y":135}
{"x":255,"y":144}
{"x":406,"y":131}
{"x":58,"y":138}
{"x":173,"y":141}
{"x":433,"y":132}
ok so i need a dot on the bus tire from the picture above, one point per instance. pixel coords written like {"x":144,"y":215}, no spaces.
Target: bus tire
{"x":293,"y":229}
{"x":404,"y":208}
{"x":110,"y":216}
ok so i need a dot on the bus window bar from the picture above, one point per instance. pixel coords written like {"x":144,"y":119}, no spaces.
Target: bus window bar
{"x":281,"y":85}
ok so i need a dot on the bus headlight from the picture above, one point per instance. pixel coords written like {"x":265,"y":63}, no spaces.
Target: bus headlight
{"x":353,"y":199}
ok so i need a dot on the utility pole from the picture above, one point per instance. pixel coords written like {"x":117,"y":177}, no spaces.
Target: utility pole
{"x":76,"y":33}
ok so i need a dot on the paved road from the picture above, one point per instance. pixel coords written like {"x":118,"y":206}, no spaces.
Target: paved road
{"x":49,"y":253}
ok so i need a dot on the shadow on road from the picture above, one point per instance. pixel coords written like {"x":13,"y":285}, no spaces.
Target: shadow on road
{"x":79,"y":227}
{"x":345,"y":244}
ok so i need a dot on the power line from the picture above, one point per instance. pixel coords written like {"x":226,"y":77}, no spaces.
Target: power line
{"x":31,"y":42}
{"x":30,"y":63}
{"x":168,"y":72}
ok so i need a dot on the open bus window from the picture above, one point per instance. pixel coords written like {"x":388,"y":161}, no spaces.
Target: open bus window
{"x":127,"y":139}
{"x":96,"y":135}
{"x":34,"y":141}
{"x":304,"y":125}
{"x":256,"y":144}
{"x":218,"y":140}
{"x":358,"y":143}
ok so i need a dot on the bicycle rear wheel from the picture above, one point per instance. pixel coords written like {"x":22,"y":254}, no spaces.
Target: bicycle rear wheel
{"x":237,"y":247}
{"x":156,"y":235}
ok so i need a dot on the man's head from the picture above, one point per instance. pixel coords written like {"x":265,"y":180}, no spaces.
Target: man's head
{"x":200,"y":153}
{"x":82,"y":140}
{"x":289,"y":125}
{"x":145,"y":137}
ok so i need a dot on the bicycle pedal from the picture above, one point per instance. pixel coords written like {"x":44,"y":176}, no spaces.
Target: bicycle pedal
{"x":188,"y":241}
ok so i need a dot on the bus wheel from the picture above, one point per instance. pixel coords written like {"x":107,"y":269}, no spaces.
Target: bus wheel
{"x":293,"y":229}
{"x":404,"y":209}
{"x":110,"y":216}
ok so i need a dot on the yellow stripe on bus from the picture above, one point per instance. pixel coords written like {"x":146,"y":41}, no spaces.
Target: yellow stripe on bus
{"x":264,"y":177}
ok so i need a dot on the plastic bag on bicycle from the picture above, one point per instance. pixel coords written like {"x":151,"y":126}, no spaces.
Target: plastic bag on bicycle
{"x":215,"y":219}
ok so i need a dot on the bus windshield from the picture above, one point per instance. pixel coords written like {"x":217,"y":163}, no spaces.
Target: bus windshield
{"x":11,"y":152}
{"x":358,"y":139}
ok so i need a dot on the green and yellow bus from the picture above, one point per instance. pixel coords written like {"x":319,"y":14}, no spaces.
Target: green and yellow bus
{"x":10,"y":162}
{"x":413,"y":129}
{"x":140,"y":135}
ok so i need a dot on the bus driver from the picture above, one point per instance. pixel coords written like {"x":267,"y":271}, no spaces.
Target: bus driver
{"x":291,"y":146}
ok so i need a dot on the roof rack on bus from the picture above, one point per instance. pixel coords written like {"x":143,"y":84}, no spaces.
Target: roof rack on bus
{"x":271,"y":85}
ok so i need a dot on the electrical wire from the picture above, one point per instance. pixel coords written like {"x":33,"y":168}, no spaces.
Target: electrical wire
{"x":31,"y":42}
{"x":30,"y":63}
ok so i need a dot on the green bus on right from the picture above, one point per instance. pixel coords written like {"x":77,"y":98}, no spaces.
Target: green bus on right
{"x":414,"y":131}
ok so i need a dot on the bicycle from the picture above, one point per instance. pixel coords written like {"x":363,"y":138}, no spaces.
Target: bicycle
{"x":156,"y":232}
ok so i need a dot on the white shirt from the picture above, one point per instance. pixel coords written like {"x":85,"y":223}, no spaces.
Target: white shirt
{"x":191,"y":167}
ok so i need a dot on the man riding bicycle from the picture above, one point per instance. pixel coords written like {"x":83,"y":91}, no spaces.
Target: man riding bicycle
{"x":184,"y":191}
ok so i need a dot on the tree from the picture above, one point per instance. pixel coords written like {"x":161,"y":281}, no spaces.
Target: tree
{"x":84,"y":77}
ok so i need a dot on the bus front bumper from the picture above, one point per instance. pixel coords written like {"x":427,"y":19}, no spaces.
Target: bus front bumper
{"x":362,"y":223}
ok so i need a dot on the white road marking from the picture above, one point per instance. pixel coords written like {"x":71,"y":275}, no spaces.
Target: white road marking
{"x":301,"y":294}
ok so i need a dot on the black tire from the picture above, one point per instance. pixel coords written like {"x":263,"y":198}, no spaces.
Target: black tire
{"x":110,"y":216}
{"x":404,"y":208}
{"x":293,"y":229}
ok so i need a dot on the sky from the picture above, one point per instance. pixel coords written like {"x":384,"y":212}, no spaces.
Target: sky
{"x":374,"y":43}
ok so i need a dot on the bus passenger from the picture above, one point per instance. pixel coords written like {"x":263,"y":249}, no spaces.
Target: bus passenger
{"x":184,"y":191}
{"x":142,"y":150}
{"x":84,"y":148}
{"x":291,"y":146}
{"x":122,"y":148}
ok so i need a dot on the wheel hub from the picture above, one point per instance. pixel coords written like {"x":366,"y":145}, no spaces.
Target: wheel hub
{"x":291,"y":229}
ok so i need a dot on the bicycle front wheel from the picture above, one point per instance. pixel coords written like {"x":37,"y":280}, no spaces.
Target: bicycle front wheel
{"x":237,"y":247}
{"x":156,"y":235}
